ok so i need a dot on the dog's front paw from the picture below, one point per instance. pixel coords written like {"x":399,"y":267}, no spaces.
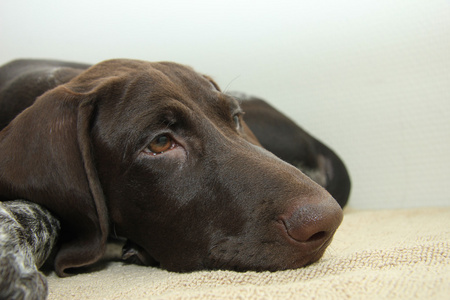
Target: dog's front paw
{"x":19,"y":284}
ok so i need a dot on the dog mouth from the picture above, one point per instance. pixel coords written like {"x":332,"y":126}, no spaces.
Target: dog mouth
{"x":238,"y":256}
{"x":277,"y":256}
{"x":317,"y":255}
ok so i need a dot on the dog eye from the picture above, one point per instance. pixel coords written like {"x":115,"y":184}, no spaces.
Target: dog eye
{"x":160,"y":144}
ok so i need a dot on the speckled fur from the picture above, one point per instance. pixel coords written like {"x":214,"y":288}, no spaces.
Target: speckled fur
{"x":28,"y":233}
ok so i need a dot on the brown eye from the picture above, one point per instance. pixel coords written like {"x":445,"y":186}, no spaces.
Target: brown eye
{"x":160,"y":144}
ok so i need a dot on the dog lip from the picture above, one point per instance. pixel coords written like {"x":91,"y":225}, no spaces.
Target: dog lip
{"x":313,"y":256}
{"x":319,"y":252}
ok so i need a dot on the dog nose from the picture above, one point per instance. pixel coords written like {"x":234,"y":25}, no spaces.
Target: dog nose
{"x":312,"y":222}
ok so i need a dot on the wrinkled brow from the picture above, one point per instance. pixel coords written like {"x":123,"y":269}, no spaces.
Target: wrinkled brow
{"x":166,"y":113}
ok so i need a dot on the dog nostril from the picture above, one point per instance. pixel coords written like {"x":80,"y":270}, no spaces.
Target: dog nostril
{"x":305,"y":233}
{"x":317,"y":236}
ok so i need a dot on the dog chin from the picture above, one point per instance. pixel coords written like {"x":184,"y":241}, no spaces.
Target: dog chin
{"x":263,"y":261}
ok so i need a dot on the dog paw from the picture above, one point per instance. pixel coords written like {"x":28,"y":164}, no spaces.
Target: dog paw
{"x":19,"y":284}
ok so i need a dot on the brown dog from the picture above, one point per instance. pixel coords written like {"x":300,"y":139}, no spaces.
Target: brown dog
{"x":155,"y":153}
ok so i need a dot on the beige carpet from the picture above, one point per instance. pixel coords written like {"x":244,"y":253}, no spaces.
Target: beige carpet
{"x":395,"y":254}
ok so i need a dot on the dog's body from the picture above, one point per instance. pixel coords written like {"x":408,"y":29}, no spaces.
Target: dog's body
{"x":155,"y":153}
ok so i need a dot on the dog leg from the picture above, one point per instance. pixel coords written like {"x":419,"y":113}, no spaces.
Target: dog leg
{"x":28,"y":234}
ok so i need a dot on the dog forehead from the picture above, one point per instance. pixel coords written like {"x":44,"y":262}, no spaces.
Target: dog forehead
{"x":141,"y":75}
{"x":162,"y":73}
{"x":159,"y":81}
{"x":142,"y":92}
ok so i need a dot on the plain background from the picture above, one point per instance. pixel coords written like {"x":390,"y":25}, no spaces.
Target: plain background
{"x":369,"y":78}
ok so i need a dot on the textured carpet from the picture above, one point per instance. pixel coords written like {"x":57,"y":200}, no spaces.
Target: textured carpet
{"x":394,"y":254}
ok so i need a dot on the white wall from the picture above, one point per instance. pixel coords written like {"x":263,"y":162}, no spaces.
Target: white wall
{"x":369,"y":78}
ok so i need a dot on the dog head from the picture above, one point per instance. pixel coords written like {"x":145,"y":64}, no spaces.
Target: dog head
{"x":157,"y":152}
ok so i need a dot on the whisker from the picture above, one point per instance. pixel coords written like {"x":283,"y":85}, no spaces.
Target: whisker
{"x":228,"y":85}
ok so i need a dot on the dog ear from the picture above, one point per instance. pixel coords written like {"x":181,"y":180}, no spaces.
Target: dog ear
{"x":46,"y":157}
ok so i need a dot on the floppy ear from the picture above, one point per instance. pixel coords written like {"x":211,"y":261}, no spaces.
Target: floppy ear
{"x":46,"y":157}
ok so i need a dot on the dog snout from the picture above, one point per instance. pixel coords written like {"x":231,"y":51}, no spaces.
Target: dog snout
{"x":311,"y":224}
